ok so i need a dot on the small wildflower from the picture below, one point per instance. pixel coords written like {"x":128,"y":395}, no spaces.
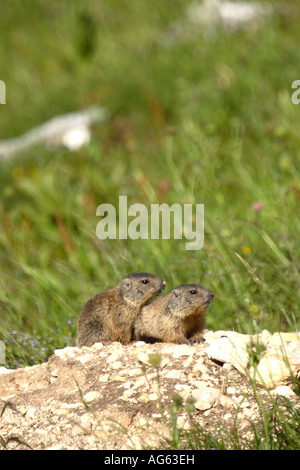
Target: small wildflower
{"x":246,"y":249}
{"x":155,"y":359}
{"x":258,"y":206}
{"x":254,"y":309}
{"x":164,"y":185}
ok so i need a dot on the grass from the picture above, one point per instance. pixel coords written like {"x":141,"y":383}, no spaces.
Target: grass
{"x":194,"y":119}
{"x":197,"y":120}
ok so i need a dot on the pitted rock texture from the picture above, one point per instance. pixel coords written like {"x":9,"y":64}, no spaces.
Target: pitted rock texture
{"x":111,"y":396}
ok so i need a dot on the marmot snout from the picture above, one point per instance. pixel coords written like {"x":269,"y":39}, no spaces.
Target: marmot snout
{"x":175,"y":317}
{"x":110,"y":315}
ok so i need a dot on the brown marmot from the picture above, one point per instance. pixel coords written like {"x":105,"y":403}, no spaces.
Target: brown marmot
{"x":177,"y":317}
{"x":110,"y":315}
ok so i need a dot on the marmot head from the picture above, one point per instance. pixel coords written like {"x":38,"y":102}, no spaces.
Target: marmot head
{"x":189,"y":299}
{"x":138,"y":288}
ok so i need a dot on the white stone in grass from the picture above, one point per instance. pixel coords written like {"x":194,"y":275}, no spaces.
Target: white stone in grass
{"x":206,"y":397}
{"x":229,"y":350}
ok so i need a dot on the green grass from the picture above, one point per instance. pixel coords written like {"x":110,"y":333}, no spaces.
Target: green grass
{"x":194,"y":120}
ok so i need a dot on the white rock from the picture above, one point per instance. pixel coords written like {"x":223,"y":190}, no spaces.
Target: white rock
{"x":116,"y":365}
{"x":231,"y":350}
{"x":227,"y":402}
{"x":263,"y":338}
{"x":272,"y":369}
{"x":281,"y":358}
{"x":91,"y":396}
{"x":133,"y":372}
{"x":84,"y":358}
{"x":55,"y":372}
{"x":174,"y":374}
{"x":30,"y":413}
{"x":104,"y":378}
{"x":187,"y":362}
{"x":3,"y":370}
{"x":86,"y":421}
{"x":113,"y":357}
{"x":293,"y":353}
{"x":211,"y":336}
{"x":282,"y":338}
{"x":61,"y":412}
{"x":183,"y":350}
{"x":10,"y":417}
{"x":68,"y":351}
{"x":143,"y":398}
{"x":285,"y":391}
{"x":201,"y":368}
{"x":205,"y":397}
{"x":153,"y":396}
{"x":77,"y":430}
{"x":183,"y":422}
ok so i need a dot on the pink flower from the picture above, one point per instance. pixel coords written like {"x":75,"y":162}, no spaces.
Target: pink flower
{"x":258,"y":206}
{"x":164,"y":185}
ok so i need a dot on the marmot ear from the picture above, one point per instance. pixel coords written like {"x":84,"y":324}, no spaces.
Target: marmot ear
{"x":127,"y":282}
{"x":176,"y":293}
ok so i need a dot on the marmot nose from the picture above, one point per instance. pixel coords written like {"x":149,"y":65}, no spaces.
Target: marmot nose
{"x":164,"y":283}
{"x":211,"y":294}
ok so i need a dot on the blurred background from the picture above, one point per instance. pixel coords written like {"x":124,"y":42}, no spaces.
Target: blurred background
{"x":193,"y":105}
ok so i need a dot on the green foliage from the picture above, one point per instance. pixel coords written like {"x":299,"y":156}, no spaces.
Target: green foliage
{"x":195,"y":119}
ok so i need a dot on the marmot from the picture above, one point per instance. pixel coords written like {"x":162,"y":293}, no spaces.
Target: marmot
{"x":177,"y":317}
{"x":110,"y":315}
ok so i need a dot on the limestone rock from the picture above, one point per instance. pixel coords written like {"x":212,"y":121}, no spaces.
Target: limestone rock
{"x":91,"y":396}
{"x":97,"y":397}
{"x":230,"y":350}
{"x":274,"y":368}
{"x":284,"y":391}
{"x":205,"y":397}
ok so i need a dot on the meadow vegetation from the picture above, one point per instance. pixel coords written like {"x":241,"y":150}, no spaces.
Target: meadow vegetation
{"x":195,"y":118}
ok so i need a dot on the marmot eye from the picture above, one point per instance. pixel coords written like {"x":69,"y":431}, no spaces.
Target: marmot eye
{"x":145,"y":281}
{"x":193,"y":291}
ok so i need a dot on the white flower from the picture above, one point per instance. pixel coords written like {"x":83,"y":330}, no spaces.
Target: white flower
{"x":76,"y":137}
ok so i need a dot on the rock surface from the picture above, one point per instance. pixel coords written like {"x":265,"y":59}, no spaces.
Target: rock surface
{"x":112,"y":396}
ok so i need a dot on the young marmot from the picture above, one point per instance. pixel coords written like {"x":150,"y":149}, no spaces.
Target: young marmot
{"x":110,"y":315}
{"x":177,"y":317}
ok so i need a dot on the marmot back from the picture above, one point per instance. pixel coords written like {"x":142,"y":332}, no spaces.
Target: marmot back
{"x":177,"y":317}
{"x":110,"y":315}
